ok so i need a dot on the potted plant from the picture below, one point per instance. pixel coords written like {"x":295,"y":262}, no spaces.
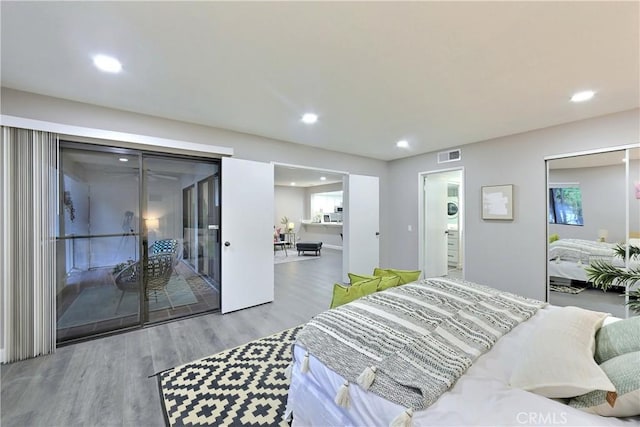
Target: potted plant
{"x":603,"y":274}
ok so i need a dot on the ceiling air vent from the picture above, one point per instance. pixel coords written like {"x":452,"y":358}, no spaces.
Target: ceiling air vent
{"x":449,"y":156}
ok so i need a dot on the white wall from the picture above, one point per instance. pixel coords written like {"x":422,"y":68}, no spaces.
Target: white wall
{"x":603,"y":201}
{"x":294,"y":202}
{"x":318,"y":189}
{"x":509,"y":255}
{"x":245,"y":146}
{"x":327,"y":234}
{"x":289,"y":202}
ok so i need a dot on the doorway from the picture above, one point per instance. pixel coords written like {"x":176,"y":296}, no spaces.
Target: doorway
{"x":441,"y":226}
{"x":138,"y":239}
{"x":308,"y":207}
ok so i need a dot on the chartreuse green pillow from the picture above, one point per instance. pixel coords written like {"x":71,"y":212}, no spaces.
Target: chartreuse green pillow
{"x":406,"y":276}
{"x":553,"y":237}
{"x":386,"y":282}
{"x":344,"y":294}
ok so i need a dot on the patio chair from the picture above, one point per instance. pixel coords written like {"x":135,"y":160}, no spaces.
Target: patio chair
{"x":158,"y":270}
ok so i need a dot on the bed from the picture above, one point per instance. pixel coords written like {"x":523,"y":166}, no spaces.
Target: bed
{"x":568,"y":258}
{"x":480,"y":396}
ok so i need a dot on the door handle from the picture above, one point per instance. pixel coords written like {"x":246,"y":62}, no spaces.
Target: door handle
{"x":227,"y":244}
{"x":377,"y":233}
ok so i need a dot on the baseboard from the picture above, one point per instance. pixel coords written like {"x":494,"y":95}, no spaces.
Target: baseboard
{"x":332,"y":247}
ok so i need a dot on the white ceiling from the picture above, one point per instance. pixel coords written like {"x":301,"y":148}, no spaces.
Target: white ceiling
{"x":302,"y":177}
{"x":438,"y":74}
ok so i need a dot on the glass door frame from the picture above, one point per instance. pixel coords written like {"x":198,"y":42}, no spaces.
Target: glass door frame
{"x":99,"y":148}
{"x":143,"y":234}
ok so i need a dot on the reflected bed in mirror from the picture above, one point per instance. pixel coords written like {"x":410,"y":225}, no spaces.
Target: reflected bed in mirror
{"x":591,"y":211}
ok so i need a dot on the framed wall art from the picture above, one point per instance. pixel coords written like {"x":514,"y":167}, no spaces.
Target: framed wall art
{"x":497,"y":202}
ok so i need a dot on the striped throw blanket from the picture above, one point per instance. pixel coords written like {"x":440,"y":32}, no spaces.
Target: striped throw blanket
{"x":583,"y":251}
{"x":418,"y":338}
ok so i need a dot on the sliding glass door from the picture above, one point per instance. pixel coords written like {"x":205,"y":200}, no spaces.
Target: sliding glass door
{"x":98,"y":242}
{"x":179,"y":220}
{"x":137,"y":239}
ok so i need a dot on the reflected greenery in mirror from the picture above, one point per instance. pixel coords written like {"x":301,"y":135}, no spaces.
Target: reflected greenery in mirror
{"x":565,"y":206}
{"x":603,"y":274}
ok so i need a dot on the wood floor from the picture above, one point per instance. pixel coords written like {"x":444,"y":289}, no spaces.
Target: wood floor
{"x":104,"y":382}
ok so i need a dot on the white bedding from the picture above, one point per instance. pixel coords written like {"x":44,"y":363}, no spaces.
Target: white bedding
{"x":583,"y":251}
{"x":481,"y":397}
{"x":568,"y":258}
{"x":568,"y":270}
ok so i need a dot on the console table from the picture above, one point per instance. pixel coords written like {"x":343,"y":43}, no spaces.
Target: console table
{"x":290,"y":238}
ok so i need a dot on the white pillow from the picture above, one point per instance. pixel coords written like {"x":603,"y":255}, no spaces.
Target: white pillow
{"x":558,"y":360}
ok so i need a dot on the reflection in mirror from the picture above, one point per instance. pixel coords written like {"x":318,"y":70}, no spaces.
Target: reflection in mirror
{"x":593,"y":216}
{"x":634,"y":196}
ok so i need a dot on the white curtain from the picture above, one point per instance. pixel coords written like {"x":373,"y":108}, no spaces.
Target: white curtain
{"x":28,"y":217}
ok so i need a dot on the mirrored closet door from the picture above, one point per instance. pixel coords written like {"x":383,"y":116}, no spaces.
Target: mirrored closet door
{"x":593,"y":230}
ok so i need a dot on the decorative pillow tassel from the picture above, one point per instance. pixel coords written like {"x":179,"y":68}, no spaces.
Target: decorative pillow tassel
{"x":403,"y":420}
{"x":288,"y":371}
{"x":367,"y":377}
{"x":305,"y":363}
{"x":342,"y":398}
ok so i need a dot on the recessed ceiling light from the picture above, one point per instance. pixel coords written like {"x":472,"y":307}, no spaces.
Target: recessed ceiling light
{"x":323,"y":178}
{"x":293,"y":183}
{"x":309,"y":118}
{"x":123,"y":159}
{"x":402,"y":144}
{"x":107,"y":64}
{"x":582,"y":96}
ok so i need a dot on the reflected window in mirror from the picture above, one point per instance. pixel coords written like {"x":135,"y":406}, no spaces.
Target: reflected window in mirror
{"x":565,"y":205}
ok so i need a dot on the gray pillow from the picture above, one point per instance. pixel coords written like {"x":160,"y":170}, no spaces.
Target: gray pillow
{"x":617,"y":338}
{"x":624,"y":373}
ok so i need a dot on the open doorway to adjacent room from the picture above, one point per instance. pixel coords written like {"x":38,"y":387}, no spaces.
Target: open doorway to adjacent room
{"x":442,"y":222}
{"x":308,"y":220}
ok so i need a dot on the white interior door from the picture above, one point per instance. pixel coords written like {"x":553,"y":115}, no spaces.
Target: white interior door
{"x":361,"y":222}
{"x":247,"y":234}
{"x":435,"y":220}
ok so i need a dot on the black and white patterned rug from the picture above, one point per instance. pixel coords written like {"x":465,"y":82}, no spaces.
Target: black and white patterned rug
{"x":244,"y":386}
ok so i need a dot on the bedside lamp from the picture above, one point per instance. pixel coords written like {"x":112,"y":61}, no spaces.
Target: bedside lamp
{"x":152,"y":224}
{"x":602,"y":235}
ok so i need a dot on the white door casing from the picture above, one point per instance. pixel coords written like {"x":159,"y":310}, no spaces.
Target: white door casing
{"x":247,"y":226}
{"x":361,"y":222}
